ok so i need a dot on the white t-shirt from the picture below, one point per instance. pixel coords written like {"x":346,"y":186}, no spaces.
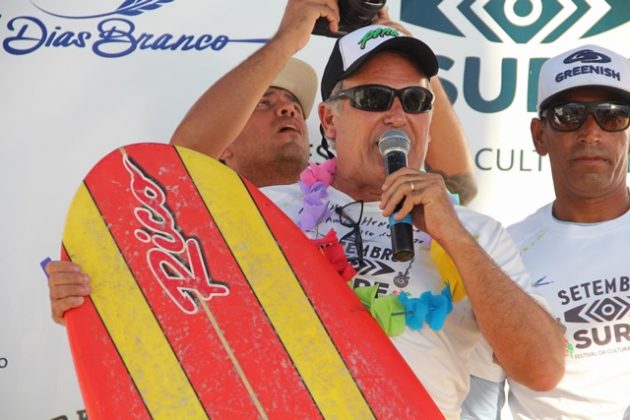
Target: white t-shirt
{"x":439,"y":358}
{"x":583,"y":270}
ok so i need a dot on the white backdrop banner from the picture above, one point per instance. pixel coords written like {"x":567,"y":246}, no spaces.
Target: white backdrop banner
{"x":82,"y":77}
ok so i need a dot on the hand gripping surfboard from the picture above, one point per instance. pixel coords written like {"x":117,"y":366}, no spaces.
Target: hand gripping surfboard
{"x":209,"y":302}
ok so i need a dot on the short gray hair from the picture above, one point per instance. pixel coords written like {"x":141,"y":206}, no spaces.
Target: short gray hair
{"x":334,"y":104}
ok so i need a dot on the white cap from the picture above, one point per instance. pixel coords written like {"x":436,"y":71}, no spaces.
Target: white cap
{"x":353,"y":49}
{"x":588,"y":65}
{"x":300,"y":79}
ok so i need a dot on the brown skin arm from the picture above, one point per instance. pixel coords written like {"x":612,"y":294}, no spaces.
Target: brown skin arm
{"x":526,"y":340}
{"x":220,"y":114}
{"x":448,"y":153}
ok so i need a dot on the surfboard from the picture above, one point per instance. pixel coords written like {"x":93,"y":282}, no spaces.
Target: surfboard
{"x":207,"y":301}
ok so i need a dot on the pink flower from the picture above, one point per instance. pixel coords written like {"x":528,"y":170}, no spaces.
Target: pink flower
{"x":324,"y":173}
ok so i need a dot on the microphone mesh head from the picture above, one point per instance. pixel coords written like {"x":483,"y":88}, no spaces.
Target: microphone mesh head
{"x":393,"y":140}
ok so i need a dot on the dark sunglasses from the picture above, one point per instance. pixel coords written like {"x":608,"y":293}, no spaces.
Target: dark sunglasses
{"x":378,"y":98}
{"x":350,"y":216}
{"x":570,"y":116}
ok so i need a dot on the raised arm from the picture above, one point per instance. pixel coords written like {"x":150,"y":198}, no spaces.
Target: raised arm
{"x":220,"y":114}
{"x":448,"y":153}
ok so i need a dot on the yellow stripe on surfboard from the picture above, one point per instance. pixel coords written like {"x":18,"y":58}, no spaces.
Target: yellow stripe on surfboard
{"x":166,"y":391}
{"x":330,"y":383}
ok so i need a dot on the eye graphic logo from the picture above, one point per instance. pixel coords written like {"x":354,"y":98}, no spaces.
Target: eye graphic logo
{"x":601,"y":310}
{"x":520,"y":21}
{"x":127,"y":8}
{"x":587,"y":56}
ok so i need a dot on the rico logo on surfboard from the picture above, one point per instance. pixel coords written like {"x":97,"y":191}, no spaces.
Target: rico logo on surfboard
{"x":181,"y":281}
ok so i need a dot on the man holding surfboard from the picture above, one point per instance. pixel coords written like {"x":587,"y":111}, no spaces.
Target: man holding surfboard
{"x":262,"y":126}
{"x":354,"y":116}
{"x":386,"y":79}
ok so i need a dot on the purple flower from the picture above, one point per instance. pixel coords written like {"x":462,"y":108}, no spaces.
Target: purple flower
{"x":314,"y":181}
{"x":315,"y":206}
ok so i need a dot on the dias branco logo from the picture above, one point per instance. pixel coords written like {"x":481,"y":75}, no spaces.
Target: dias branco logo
{"x":108,"y":29}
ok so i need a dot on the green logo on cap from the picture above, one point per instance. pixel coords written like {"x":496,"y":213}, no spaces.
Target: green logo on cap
{"x":377,"y":33}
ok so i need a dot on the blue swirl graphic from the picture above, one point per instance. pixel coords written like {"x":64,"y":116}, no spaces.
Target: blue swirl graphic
{"x":137,"y":7}
{"x":127,"y":8}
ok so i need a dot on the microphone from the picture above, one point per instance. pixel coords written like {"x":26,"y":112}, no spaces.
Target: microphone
{"x":394,"y":146}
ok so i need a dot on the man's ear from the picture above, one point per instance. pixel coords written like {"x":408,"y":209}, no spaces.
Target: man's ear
{"x":326,"y":118}
{"x":537,"y":128}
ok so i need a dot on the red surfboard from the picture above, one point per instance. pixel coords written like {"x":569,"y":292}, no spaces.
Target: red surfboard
{"x":209,"y":302}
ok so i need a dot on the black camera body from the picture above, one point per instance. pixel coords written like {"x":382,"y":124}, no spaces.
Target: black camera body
{"x":353,"y":14}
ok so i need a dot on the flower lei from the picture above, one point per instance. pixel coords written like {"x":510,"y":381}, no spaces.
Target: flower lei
{"x":314,"y":181}
{"x":428,"y":308}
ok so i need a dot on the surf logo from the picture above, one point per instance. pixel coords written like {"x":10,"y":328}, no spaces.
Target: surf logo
{"x":176,"y":262}
{"x":607,"y":322}
{"x":520,"y":21}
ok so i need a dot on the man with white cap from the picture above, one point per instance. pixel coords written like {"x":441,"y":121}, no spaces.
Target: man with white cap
{"x":466,"y":276}
{"x":271,"y":144}
{"x":576,"y":247}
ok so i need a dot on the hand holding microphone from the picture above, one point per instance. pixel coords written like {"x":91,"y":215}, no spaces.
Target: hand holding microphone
{"x":417,"y":198}
{"x":394,"y":147}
